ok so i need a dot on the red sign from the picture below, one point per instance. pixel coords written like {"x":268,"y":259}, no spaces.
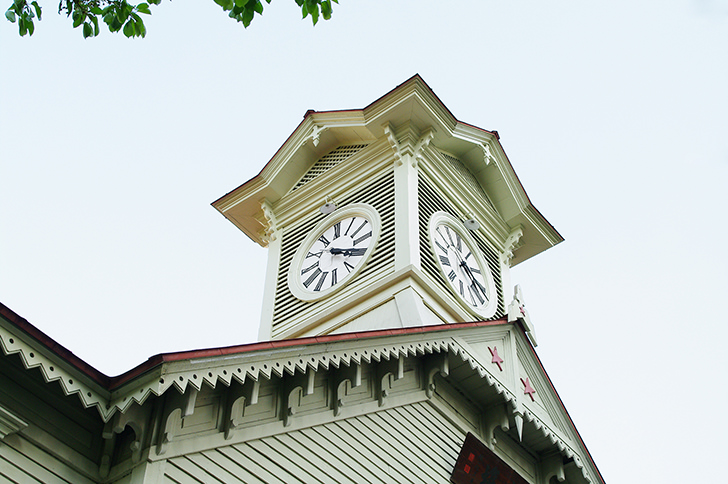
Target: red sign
{"x":477,"y":464}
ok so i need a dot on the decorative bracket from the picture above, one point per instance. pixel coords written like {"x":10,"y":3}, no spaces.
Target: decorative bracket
{"x":423,"y":143}
{"x":487,"y":155}
{"x":438,"y":364}
{"x":241,"y":396}
{"x":178,"y":407}
{"x":553,"y":466}
{"x":518,"y":312}
{"x":389,"y":131}
{"x":389,"y":371}
{"x":271,"y":224}
{"x":301,"y":385}
{"x":136,"y":419}
{"x":512,"y":243}
{"x":347,"y":378}
{"x":495,"y":417}
{"x":316,"y":133}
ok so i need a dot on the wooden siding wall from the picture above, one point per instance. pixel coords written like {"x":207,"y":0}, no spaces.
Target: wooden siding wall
{"x":408,"y":444}
{"x":23,"y":462}
{"x":62,"y":443}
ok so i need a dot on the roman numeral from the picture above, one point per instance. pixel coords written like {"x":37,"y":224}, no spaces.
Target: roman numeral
{"x":458,"y":243}
{"x":334,"y":278}
{"x":363,"y":237}
{"x":337,"y":230}
{"x":442,"y":237}
{"x":444,"y":260}
{"x":313,"y":254}
{"x":452,"y":276}
{"x":469,"y":254}
{"x":449,"y":235}
{"x":462,"y":289}
{"x":472,"y":297}
{"x":349,"y":227}
{"x":482,"y":289}
{"x":441,"y":247}
{"x":324,"y":240}
{"x":474,"y":269}
{"x":348,"y":266}
{"x":477,"y":293}
{"x":321,"y":281}
{"x":360,"y":227}
{"x":357,"y":252}
{"x":312,"y":277}
{"x":315,"y":264}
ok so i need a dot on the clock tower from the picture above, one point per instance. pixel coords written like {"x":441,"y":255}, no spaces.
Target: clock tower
{"x":394,"y":215}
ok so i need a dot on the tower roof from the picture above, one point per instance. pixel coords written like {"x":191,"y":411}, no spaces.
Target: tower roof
{"x":414,"y":105}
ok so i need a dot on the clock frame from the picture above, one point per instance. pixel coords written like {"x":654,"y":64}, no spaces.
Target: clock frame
{"x":462,"y":265}
{"x":334,"y":252}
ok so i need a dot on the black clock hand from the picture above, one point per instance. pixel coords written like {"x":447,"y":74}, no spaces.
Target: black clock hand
{"x":348,"y":252}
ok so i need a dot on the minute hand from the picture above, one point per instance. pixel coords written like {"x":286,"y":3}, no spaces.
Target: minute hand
{"x":349,"y":252}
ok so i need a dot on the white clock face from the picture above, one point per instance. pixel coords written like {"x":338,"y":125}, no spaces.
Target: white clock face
{"x":462,"y":265}
{"x":334,"y":252}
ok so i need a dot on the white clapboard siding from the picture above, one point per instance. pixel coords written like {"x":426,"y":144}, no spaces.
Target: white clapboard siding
{"x":22,"y":462}
{"x":408,"y":444}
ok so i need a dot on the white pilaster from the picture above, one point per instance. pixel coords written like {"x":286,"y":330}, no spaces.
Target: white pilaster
{"x":406,"y":213}
{"x":269,"y":291}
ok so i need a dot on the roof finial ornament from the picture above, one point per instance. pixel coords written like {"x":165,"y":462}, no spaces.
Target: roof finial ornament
{"x":518,"y":312}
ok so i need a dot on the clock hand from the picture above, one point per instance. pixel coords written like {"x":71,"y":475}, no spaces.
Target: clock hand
{"x":348,"y":252}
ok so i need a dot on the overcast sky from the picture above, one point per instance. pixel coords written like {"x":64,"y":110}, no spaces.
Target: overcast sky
{"x":613,"y":114}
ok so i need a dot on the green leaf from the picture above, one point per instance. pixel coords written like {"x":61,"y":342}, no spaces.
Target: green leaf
{"x":143,"y":8}
{"x":88,"y":30}
{"x":31,"y":27}
{"x":258,"y":7}
{"x":21,"y":26}
{"x":326,"y":9}
{"x":155,"y":2}
{"x":129,"y":28}
{"x":37,"y":8}
{"x":78,"y":18}
{"x":10,"y":15}
{"x":95,"y":20}
{"x":141,"y":29}
{"x":248,"y":16}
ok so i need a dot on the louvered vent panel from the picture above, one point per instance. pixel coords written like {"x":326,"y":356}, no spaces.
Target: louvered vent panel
{"x":327,"y":162}
{"x":467,"y":177}
{"x":380,"y":194}
{"x":430,"y":202}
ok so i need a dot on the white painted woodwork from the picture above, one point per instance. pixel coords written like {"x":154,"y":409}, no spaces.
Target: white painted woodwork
{"x":385,"y":407}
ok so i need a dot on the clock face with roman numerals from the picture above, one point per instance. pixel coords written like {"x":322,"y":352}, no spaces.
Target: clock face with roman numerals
{"x":334,"y":252}
{"x":462,"y":264}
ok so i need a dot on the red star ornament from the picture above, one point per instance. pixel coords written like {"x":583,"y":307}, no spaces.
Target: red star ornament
{"x":528,"y":390}
{"x":496,"y":359}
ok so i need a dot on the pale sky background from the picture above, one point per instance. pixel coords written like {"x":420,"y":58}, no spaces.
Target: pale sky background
{"x":614,"y":114}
